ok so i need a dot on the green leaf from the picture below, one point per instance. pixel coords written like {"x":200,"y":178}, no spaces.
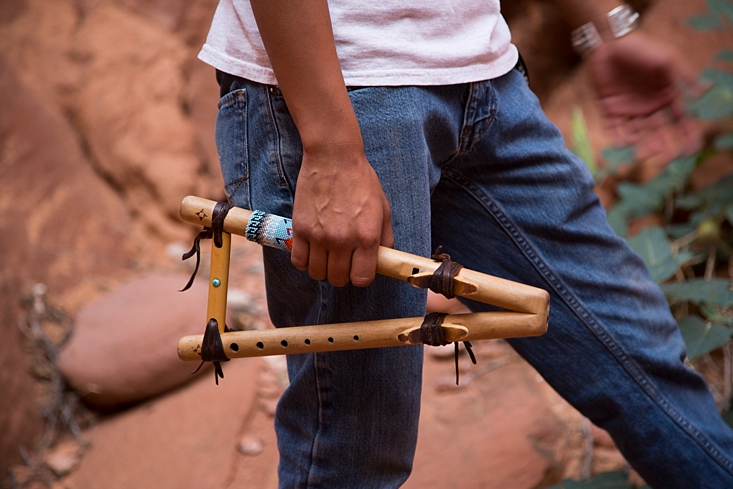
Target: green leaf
{"x":719,"y":195}
{"x":655,"y":249}
{"x":617,"y":220}
{"x":715,"y":292}
{"x":724,"y":141}
{"x":702,"y":337}
{"x":704,"y":23}
{"x":674,"y":178}
{"x":676,"y":231}
{"x":581,"y":142}
{"x":719,"y":77}
{"x":714,"y":199}
{"x":722,"y":7}
{"x":696,"y":218}
{"x":638,"y":200}
{"x":617,"y":157}
{"x":716,"y":103}
{"x":605,"y":480}
{"x":724,"y":55}
{"x":717,"y":315}
{"x":689,"y":202}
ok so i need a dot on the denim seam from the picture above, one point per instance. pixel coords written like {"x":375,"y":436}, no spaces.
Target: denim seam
{"x":314,"y":446}
{"x":480,"y":130}
{"x":468,"y":114}
{"x":590,"y":322}
{"x":468,"y":136}
{"x":316,"y":360}
{"x":471,"y":133}
{"x":278,"y":139}
{"x":239,"y":104}
{"x":321,"y":301}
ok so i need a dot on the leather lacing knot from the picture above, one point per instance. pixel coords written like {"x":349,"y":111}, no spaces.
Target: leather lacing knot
{"x":441,"y":282}
{"x":221,"y":209}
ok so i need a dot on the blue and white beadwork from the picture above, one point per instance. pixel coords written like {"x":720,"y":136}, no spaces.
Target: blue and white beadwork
{"x":270,"y":230}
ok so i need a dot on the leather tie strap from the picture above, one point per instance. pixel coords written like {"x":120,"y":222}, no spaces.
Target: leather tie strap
{"x":431,"y":334}
{"x":212,"y":349}
{"x":430,"y":331}
{"x":442,"y":280}
{"x":221,"y":209}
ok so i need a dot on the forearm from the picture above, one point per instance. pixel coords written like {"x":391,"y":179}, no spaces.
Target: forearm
{"x":340,"y":212}
{"x":299,"y":41}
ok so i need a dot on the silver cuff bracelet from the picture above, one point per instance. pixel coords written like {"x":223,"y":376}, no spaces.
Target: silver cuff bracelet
{"x":622,"y":20}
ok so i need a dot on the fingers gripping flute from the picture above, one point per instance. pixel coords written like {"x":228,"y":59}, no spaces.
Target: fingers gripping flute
{"x":526,"y":308}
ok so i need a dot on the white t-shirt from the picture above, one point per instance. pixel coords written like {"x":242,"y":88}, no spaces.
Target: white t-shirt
{"x":389,"y":42}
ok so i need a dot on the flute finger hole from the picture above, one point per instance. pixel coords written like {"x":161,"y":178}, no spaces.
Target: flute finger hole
{"x":234,"y":347}
{"x":260,"y":345}
{"x":356,"y":337}
{"x":330,"y":340}
{"x":307,"y":341}
{"x":284,"y":343}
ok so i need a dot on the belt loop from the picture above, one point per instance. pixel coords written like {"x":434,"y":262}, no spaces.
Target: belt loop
{"x":521,"y":67}
{"x":226,"y":82}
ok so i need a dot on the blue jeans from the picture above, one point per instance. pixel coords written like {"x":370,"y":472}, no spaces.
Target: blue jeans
{"x":478,"y":169}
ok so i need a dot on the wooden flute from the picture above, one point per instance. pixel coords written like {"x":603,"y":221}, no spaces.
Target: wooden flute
{"x":526,"y":314}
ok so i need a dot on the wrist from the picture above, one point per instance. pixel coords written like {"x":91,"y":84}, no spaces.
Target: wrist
{"x":331,"y":143}
{"x":618,"y":22}
{"x":333,"y":153}
{"x":327,"y":124}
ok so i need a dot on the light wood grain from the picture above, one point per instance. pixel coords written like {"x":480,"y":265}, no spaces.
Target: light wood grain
{"x":526,"y":315}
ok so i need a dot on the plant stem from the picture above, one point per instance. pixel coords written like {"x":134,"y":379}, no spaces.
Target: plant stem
{"x":684,"y":241}
{"x":710,"y":265}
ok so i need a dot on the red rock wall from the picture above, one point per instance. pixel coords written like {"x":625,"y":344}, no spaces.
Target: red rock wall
{"x":103,"y":109}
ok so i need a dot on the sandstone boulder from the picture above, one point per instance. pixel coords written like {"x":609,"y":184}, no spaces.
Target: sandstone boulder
{"x":124,"y":345}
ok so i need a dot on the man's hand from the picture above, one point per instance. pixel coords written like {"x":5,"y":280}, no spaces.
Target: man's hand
{"x":340,"y":216}
{"x":640,"y":88}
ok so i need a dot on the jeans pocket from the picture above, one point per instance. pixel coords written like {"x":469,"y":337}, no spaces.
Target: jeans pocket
{"x":232,"y":144}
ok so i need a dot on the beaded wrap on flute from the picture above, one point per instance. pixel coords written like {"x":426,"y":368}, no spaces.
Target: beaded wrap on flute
{"x":270,"y":230}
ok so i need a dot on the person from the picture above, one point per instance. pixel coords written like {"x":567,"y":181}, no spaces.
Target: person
{"x":409,"y":124}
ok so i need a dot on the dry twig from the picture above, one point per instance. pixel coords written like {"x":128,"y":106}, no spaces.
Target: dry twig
{"x":48,"y":329}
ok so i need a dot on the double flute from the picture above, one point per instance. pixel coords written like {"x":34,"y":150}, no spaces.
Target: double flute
{"x":526,"y":308}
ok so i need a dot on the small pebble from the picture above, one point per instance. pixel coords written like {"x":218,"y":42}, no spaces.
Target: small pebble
{"x":250,"y":445}
{"x":64,"y":458}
